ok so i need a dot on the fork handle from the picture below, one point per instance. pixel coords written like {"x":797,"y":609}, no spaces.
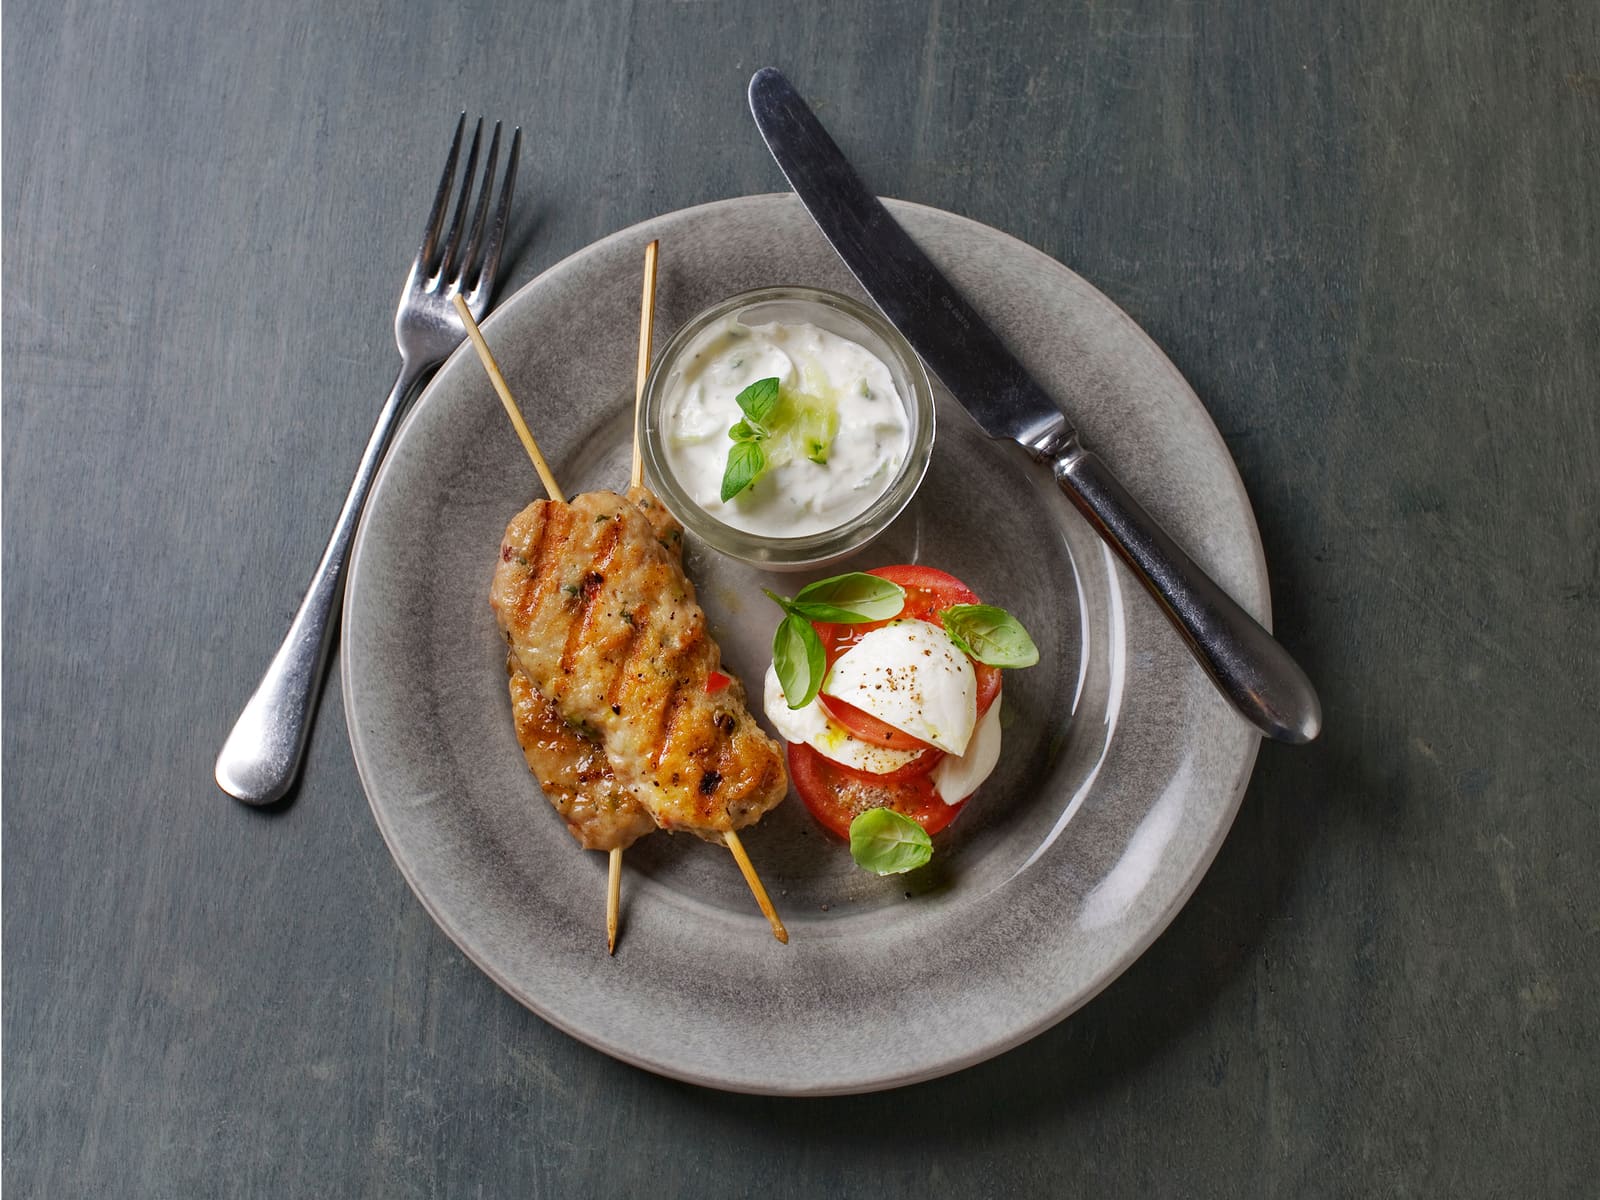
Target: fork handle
{"x":261,"y":758}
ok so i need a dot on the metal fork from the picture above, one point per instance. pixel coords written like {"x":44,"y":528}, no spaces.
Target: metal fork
{"x":261,"y":758}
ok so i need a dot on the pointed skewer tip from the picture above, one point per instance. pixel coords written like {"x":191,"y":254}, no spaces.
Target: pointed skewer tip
{"x":753,"y":881}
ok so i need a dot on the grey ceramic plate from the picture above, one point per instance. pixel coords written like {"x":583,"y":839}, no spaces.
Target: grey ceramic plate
{"x":1122,"y":768}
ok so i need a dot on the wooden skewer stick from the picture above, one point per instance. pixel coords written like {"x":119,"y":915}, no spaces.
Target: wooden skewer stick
{"x":756,"y":890}
{"x":647,"y":313}
{"x":614,"y":880}
{"x":647,"y":322}
{"x":504,"y":392}
{"x":613,"y":898}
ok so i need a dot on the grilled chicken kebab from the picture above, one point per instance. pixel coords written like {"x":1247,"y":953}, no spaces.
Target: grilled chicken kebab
{"x":572,"y":769}
{"x":622,"y":708}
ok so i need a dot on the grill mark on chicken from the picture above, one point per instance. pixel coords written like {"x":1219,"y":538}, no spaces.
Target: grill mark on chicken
{"x":639,"y":683}
{"x":556,"y":520}
{"x":667,"y":730}
{"x":589,"y":594}
{"x":669,"y":714}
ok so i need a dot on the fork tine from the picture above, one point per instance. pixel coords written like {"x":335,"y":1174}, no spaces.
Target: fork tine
{"x":497,"y":231}
{"x":452,"y":245}
{"x":430,"y":231}
{"x":469,"y":260}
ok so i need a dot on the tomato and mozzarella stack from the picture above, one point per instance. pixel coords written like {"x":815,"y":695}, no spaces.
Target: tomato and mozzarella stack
{"x":904,"y":719}
{"x":912,"y":677}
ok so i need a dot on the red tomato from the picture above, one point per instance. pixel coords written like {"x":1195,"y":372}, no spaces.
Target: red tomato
{"x":837,"y":795}
{"x":928,"y":590}
{"x":917,"y":766}
{"x":867,"y":728}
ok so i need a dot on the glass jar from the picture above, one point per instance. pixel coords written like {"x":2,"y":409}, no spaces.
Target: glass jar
{"x":836,"y":314}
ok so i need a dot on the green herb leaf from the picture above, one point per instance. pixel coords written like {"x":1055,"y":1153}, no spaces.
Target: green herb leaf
{"x":850,"y":599}
{"x":883,"y":841}
{"x":742,"y":431}
{"x":989,"y":634}
{"x":799,"y":659}
{"x":759,"y":400}
{"x":745,"y":464}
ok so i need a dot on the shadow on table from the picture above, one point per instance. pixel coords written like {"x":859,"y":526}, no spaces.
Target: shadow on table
{"x":1194,"y":968}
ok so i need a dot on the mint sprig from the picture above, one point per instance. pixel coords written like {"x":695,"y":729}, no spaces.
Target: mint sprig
{"x":759,"y":401}
{"x":746,"y":459}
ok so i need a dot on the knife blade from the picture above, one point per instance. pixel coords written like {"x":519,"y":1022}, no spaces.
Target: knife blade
{"x":1248,"y":666}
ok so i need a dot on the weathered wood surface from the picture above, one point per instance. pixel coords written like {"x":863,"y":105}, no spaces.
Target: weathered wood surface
{"x":1369,"y":235}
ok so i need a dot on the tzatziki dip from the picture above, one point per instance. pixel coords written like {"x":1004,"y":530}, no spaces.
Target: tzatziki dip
{"x":782,"y":429}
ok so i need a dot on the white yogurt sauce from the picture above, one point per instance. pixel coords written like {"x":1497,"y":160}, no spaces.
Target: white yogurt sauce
{"x":822,"y":372}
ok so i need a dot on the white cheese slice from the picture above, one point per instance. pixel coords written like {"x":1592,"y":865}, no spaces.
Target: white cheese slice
{"x":813,"y":727}
{"x":958,"y":776}
{"x":910,"y":675}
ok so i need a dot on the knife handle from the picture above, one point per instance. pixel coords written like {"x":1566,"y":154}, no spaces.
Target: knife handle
{"x":1246,"y":663}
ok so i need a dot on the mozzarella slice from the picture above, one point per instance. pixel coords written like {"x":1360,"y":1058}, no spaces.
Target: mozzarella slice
{"x":910,"y":675}
{"x":812,"y":726}
{"x":958,"y":776}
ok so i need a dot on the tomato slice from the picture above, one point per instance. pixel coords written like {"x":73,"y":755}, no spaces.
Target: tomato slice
{"x":928,"y":590}
{"x":837,"y":795}
{"x":921,"y":765}
{"x":867,"y":728}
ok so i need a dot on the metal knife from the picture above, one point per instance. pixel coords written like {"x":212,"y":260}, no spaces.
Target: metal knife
{"x":1251,"y":669}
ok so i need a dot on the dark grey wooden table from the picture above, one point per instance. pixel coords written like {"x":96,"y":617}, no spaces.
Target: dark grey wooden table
{"x":1368,"y":233}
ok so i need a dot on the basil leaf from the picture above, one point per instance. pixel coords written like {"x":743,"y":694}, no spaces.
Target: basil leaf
{"x":742,"y":431}
{"x":745,"y":464}
{"x":989,"y":634}
{"x":759,"y":399}
{"x":798,"y":657}
{"x":883,"y":841}
{"x":850,"y":599}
